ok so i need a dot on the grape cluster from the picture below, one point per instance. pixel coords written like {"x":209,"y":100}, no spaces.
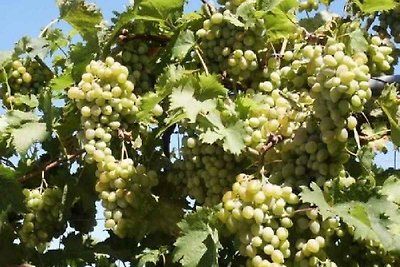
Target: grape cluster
{"x":270,"y":114}
{"x":41,"y":219}
{"x":232,"y":49}
{"x":339,"y":84}
{"x":204,"y":171}
{"x":390,"y":20}
{"x":108,"y":106}
{"x":105,"y":98}
{"x":304,"y":157}
{"x":273,"y":229}
{"x":123,"y":189}
{"x":138,"y":57}
{"x":380,"y":52}
{"x":312,"y":235}
{"x":25,"y":77}
{"x":259,"y":214}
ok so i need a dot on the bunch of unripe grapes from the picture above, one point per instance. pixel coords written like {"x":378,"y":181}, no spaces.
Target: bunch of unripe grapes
{"x":272,"y":114}
{"x":258,"y":213}
{"x":138,"y":56}
{"x":271,"y":227}
{"x":390,"y":20}
{"x":311,"y":236}
{"x":105,"y":97}
{"x":124,"y":190}
{"x":295,"y":161}
{"x":381,"y":55}
{"x":25,"y":77}
{"x":339,"y":84}
{"x":41,"y":220}
{"x":204,"y":171}
{"x":231,"y":49}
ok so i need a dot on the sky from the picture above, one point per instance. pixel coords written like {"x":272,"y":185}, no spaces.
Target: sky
{"x":27,"y":17}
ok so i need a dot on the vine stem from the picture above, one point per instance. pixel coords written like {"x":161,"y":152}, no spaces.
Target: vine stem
{"x":202,"y":61}
{"x":50,"y":166}
{"x":45,"y":29}
{"x":303,"y":210}
{"x":8,"y":86}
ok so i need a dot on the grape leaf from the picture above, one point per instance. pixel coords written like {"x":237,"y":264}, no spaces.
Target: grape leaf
{"x":316,"y":196}
{"x":198,"y":244}
{"x":10,"y":191}
{"x":159,"y":9}
{"x":33,"y":47}
{"x":81,"y":16}
{"x":62,"y":81}
{"x":150,"y":256}
{"x":371,"y":6}
{"x":5,"y":57}
{"x":372,"y":220}
{"x":28,"y":100}
{"x":279,"y":24}
{"x":358,"y":43}
{"x":210,"y":87}
{"x":391,"y":189}
{"x":183,"y":44}
{"x":390,"y":105}
{"x":247,"y":12}
{"x":17,"y":117}
{"x":80,"y":55}
{"x":182,"y":98}
{"x":28,"y":134}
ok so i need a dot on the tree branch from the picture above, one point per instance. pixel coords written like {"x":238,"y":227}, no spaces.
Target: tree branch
{"x":50,"y":166}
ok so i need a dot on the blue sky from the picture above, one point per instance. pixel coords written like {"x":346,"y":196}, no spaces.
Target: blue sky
{"x":27,"y":17}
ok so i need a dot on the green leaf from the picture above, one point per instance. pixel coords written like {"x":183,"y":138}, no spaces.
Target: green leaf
{"x":5,"y":57}
{"x":279,"y":24}
{"x":80,"y":55}
{"x":358,"y":43}
{"x":182,"y":98}
{"x":159,"y":9}
{"x":373,"y":220}
{"x":231,"y":135}
{"x":316,"y":196}
{"x":149,"y":256}
{"x":33,"y":47}
{"x":28,"y":134}
{"x":210,"y":87}
{"x":81,"y":16}
{"x":10,"y":191}
{"x":321,"y":19}
{"x":17,"y":117}
{"x":371,"y":6}
{"x":28,"y":100}
{"x":246,"y":11}
{"x":62,"y":81}
{"x":198,"y":244}
{"x":184,"y":43}
{"x":391,"y":189}
{"x":390,"y":105}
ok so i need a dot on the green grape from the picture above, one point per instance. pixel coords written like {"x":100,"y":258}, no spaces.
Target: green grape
{"x":204,"y":172}
{"x":261,"y":230}
{"x":41,"y":221}
{"x":25,"y":77}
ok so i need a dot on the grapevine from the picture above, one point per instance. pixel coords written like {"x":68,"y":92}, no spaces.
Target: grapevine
{"x":244,"y":133}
